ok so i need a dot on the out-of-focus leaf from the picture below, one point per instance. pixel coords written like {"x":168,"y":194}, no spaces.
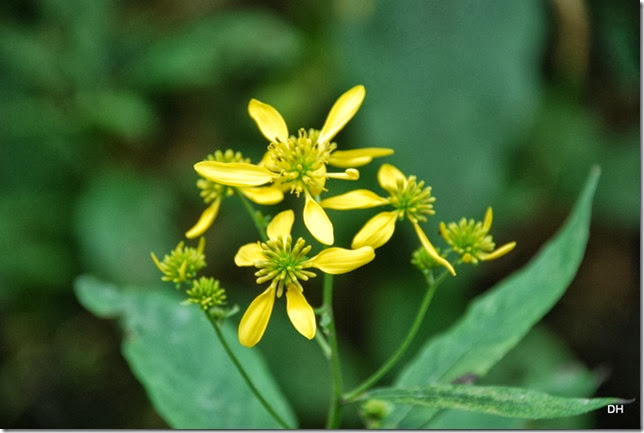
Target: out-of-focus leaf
{"x":238,"y":42}
{"x":496,"y":321}
{"x":566,"y":139}
{"x":497,"y":400}
{"x":121,"y":113}
{"x":120,"y":218}
{"x":33,"y":247}
{"x":453,"y":82}
{"x":174,"y":352}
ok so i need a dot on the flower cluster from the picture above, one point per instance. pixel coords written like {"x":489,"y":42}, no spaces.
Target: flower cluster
{"x":299,"y":164}
{"x":181,"y":267}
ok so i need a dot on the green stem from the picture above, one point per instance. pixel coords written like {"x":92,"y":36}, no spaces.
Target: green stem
{"x":324,"y":345}
{"x":259,"y":222}
{"x":384,"y":369}
{"x":333,"y":416}
{"x":245,"y":375}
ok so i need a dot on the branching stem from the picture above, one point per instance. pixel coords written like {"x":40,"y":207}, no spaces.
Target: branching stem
{"x":413,"y":330}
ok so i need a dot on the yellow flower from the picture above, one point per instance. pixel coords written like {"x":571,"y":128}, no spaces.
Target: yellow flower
{"x":285,"y":264}
{"x":298,"y":164}
{"x":471,"y":240}
{"x":213,"y":192}
{"x":411,"y":200}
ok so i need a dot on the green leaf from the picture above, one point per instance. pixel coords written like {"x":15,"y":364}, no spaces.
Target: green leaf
{"x":448,"y":87}
{"x":174,"y":352}
{"x":217,"y":47}
{"x":112,"y":224}
{"x":496,"y":321}
{"x":498,"y":400}
{"x":558,"y":372}
{"x":119,"y":112}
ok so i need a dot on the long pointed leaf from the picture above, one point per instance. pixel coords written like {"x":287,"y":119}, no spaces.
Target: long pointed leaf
{"x":497,"y":400}
{"x":496,"y":321}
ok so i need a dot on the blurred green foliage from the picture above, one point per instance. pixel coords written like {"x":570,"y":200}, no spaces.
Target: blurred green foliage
{"x":106,"y":104}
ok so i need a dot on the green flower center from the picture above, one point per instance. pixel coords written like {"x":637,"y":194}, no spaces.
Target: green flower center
{"x":469,"y":239}
{"x":206,"y":292}
{"x":301,"y":162}
{"x":183,"y":263}
{"x":285,"y":263}
{"x":412,"y":199}
{"x":211,"y":191}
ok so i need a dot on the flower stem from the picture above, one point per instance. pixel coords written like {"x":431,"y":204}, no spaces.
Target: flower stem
{"x":259,"y":222}
{"x":333,"y":416}
{"x":413,"y":330}
{"x":244,"y":374}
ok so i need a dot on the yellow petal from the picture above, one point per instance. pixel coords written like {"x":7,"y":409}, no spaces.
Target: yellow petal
{"x":349,"y":174}
{"x":356,"y":199}
{"x":263,"y":194}
{"x":268,"y":120}
{"x":205,"y":220}
{"x":389,"y":177}
{"x":281,"y":224}
{"x":377,"y":231}
{"x":249,"y":254}
{"x":336,"y":260}
{"x":234,"y":173}
{"x":499,"y":252}
{"x":487,"y":221}
{"x":431,"y":250}
{"x":357,"y":157}
{"x":317,"y":221}
{"x":300,"y":312}
{"x":253,"y":324}
{"x":342,"y":111}
{"x":266,"y":159}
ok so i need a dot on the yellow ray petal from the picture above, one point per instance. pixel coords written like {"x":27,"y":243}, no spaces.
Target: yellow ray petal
{"x":357,"y":157}
{"x":431,"y":250}
{"x":268,"y":120}
{"x":337,"y":260}
{"x":499,"y":252}
{"x":317,"y":221}
{"x":356,"y":199}
{"x":389,"y":176}
{"x":253,"y":324}
{"x":349,"y":174}
{"x":205,"y":220}
{"x":263,"y":194}
{"x":300,"y":312}
{"x":281,"y":224}
{"x":377,"y":231}
{"x":249,"y":254}
{"x":342,"y":111}
{"x":487,"y":221}
{"x":266,"y":159}
{"x":234,"y":173}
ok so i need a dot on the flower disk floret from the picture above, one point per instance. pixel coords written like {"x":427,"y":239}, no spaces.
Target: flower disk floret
{"x":298,"y":164}
{"x":285,"y":264}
